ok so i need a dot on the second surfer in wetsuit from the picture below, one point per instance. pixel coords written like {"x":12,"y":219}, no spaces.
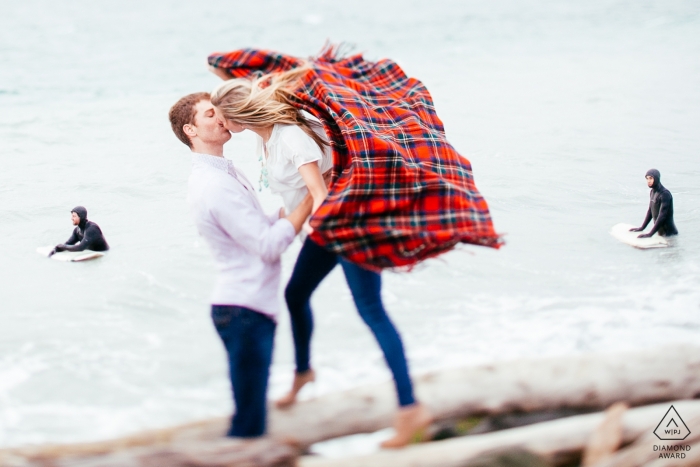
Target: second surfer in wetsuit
{"x":660,"y":208}
{"x":86,"y":236}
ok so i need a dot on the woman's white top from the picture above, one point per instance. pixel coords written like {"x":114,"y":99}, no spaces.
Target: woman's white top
{"x":288,"y":149}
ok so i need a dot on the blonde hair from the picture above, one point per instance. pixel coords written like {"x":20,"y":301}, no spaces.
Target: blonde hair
{"x":251,"y":103}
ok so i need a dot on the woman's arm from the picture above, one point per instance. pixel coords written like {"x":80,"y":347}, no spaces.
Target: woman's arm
{"x":314,"y":183}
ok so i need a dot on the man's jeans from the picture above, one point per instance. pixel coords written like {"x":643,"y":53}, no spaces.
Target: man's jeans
{"x":248,"y":337}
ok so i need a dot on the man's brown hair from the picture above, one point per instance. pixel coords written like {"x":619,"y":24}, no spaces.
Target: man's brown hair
{"x":183,"y":113}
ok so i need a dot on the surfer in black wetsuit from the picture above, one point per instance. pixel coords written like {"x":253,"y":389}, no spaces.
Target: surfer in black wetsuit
{"x":660,"y":208}
{"x":86,"y":235}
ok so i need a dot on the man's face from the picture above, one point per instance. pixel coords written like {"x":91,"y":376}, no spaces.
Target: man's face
{"x":650,"y":181}
{"x":206,"y":126}
{"x":75,"y":218}
{"x":230,"y":125}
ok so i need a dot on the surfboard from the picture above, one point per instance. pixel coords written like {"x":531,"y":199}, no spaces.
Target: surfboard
{"x":70,"y":256}
{"x":622,"y":233}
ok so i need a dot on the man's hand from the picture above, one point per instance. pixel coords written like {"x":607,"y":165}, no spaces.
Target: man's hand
{"x":646,"y":235}
{"x":636,"y":229}
{"x":52,"y":252}
{"x":58,"y":248}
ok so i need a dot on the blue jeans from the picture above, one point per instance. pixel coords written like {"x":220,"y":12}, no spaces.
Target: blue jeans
{"x":248,"y":337}
{"x":312,"y":266}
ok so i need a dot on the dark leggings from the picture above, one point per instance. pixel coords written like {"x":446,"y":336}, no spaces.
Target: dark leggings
{"x":312,"y":266}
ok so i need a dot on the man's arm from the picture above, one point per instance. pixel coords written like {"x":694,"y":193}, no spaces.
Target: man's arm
{"x":246,"y":224}
{"x":663,"y":214}
{"x":277,"y":214}
{"x":91,"y":234}
{"x":72,"y":240}
{"x":647,"y":219}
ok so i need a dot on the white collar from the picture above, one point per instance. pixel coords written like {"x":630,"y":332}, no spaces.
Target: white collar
{"x":218,"y":162}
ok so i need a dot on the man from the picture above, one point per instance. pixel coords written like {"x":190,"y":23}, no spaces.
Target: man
{"x":247,"y":245}
{"x":86,"y":236}
{"x":660,"y":208}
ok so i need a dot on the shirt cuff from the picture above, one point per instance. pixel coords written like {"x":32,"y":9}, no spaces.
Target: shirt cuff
{"x":274,"y":216}
{"x":287,"y":230}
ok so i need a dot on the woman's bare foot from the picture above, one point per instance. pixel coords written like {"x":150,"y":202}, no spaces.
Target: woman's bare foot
{"x":300,"y":379}
{"x":409,"y":421}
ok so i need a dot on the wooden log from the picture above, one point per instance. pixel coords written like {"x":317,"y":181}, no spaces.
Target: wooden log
{"x":219,"y":453}
{"x":197,"y":431}
{"x":592,"y":382}
{"x":560,"y":442}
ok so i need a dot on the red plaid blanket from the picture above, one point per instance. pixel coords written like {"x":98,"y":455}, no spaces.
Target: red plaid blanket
{"x":400,"y":192}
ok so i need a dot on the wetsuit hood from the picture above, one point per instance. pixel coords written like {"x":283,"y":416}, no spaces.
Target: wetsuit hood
{"x":657,"y":178}
{"x":82,"y":214}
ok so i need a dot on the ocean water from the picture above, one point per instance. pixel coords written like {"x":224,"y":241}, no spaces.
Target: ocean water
{"x":560,"y":106}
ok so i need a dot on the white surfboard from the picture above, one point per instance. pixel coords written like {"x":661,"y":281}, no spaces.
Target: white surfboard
{"x":70,"y":256}
{"x":622,"y":233}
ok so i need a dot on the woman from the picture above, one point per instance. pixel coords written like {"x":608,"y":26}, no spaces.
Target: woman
{"x":297,"y":155}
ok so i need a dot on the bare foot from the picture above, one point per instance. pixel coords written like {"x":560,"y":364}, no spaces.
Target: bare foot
{"x":300,"y":379}
{"x":409,"y":421}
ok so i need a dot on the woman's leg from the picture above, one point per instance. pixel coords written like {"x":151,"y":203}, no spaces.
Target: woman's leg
{"x":412,"y":418}
{"x":366,"y":287}
{"x":312,"y":266}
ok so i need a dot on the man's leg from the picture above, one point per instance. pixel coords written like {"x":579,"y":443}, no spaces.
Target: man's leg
{"x":312,"y":266}
{"x":248,"y":337}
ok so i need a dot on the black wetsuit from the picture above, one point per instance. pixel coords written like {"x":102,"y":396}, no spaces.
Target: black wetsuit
{"x":86,"y":236}
{"x":660,"y":208}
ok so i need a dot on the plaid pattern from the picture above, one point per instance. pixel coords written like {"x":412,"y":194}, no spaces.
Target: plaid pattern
{"x":400,"y":192}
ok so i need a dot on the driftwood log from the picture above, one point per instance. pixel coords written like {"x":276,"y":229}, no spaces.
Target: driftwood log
{"x":218,"y":453}
{"x":591,"y":382}
{"x":560,"y":441}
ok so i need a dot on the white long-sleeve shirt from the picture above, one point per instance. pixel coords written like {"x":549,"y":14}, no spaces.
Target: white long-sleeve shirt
{"x":246,"y":242}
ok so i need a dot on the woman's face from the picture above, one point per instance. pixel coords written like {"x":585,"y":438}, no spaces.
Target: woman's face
{"x":230,"y":125}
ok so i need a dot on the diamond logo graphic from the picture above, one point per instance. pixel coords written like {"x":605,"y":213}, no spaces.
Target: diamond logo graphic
{"x":672,"y":426}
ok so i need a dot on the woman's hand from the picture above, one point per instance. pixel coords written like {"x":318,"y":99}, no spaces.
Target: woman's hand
{"x":220,"y":72}
{"x":307,"y":227}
